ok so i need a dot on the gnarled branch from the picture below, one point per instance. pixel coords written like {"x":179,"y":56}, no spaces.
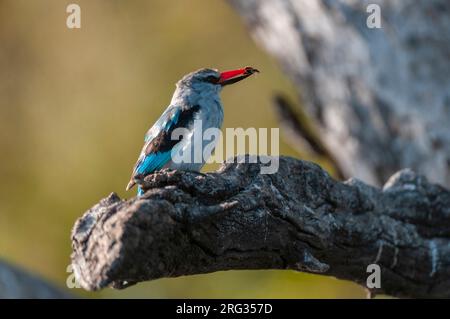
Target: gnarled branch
{"x":298,"y":218}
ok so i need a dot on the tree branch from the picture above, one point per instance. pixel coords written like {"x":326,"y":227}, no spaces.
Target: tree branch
{"x":299,"y":218}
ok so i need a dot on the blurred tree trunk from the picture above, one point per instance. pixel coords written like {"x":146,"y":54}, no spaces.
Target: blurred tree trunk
{"x":379,"y":97}
{"x":17,"y":283}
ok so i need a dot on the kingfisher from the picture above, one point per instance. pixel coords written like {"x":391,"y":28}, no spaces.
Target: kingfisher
{"x":196,"y":98}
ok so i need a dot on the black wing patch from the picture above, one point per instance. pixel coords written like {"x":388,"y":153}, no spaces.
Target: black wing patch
{"x":163,"y":141}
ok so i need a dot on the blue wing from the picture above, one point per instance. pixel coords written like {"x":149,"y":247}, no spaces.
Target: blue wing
{"x":150,"y":163}
{"x":158,"y":142}
{"x":168,"y":119}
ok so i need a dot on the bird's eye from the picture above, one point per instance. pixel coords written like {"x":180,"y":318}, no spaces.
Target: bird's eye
{"x":212,"y":79}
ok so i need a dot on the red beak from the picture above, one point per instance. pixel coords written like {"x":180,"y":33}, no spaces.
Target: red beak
{"x":233,"y":76}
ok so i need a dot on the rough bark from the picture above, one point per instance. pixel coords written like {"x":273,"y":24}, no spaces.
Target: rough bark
{"x":298,"y":218}
{"x":17,"y":283}
{"x":380,"y":97}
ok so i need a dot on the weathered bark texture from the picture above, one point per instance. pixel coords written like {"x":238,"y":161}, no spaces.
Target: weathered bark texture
{"x":299,"y":218}
{"x":17,"y":283}
{"x":380,"y":97}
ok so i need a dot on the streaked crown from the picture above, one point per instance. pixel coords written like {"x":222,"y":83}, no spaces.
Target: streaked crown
{"x":207,"y":76}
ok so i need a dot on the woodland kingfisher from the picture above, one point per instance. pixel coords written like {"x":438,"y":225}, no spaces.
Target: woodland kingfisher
{"x":196,"y":97}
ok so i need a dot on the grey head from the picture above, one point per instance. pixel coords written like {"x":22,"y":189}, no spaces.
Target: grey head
{"x":202,"y":79}
{"x":208,"y":82}
{"x":213,"y":77}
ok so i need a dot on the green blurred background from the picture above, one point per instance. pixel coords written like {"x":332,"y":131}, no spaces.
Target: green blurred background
{"x":75,"y":104}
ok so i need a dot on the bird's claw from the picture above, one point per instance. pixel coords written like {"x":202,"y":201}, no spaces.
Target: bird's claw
{"x":139,"y":179}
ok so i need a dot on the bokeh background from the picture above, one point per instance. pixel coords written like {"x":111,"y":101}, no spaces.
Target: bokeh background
{"x":75,"y":104}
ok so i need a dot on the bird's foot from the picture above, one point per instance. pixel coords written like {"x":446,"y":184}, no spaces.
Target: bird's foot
{"x":159,"y":178}
{"x":164,"y":177}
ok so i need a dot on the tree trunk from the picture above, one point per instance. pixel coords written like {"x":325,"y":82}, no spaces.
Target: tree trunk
{"x":17,"y":283}
{"x":379,"y":97}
